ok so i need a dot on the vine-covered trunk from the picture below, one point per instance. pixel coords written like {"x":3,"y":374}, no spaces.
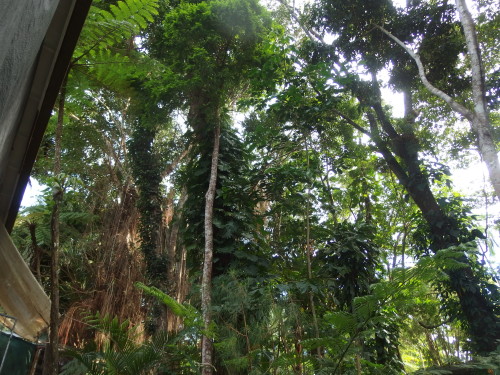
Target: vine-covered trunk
{"x":206,"y":283}
{"x":147,"y":173}
{"x":477,"y":309}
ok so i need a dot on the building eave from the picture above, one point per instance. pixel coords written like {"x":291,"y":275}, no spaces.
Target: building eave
{"x":51,"y":66}
{"x":26,"y":106}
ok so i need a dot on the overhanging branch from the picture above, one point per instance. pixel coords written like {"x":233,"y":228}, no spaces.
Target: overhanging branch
{"x":429,"y":86}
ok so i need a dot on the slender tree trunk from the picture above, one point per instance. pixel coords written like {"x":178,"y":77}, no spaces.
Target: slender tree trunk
{"x":37,"y":252}
{"x":309,"y":263}
{"x":54,"y":289}
{"x":298,"y":367}
{"x":53,"y":353}
{"x":247,"y":339}
{"x":206,"y":282}
{"x":433,"y":351}
{"x":357,"y":364}
{"x":174,"y":271}
{"x":481,"y":121}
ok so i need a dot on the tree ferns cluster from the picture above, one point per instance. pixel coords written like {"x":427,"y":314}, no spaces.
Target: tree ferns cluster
{"x":237,"y":196}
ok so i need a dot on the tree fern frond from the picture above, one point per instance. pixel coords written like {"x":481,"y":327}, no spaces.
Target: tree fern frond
{"x":189,"y":313}
{"x":343,"y":321}
{"x":124,"y":20}
{"x":76,"y":218}
{"x":365,"y":307}
{"x":43,"y":235}
{"x":120,"y":333}
{"x":117,"y":10}
{"x":111,"y":69}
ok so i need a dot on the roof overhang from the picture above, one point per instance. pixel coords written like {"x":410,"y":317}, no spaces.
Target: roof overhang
{"x":28,"y":108}
{"x":38,"y":39}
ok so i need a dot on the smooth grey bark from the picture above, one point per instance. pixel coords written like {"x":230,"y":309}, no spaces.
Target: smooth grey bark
{"x":206,"y":282}
{"x":481,"y":122}
{"x":477,"y":118}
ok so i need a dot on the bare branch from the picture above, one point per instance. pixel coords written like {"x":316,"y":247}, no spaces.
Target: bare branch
{"x":170,"y":168}
{"x":313,"y":35}
{"x":429,"y":86}
{"x":428,"y":326}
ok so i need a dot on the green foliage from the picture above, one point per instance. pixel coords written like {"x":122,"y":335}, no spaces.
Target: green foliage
{"x":353,"y":23}
{"x":105,"y":51}
{"x":119,"y":20}
{"x":32,"y":236}
{"x":350,"y":259}
{"x":120,"y":354}
{"x":191,"y":316}
{"x":237,"y":240}
{"x":241,"y":311}
{"x":147,"y":170}
{"x":208,"y":48}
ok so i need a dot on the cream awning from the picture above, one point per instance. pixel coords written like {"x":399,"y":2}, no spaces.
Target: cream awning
{"x":21,"y":296}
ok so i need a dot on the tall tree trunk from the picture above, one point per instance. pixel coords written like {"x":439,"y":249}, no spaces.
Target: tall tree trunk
{"x":206,"y":282}
{"x":52,"y":361}
{"x":433,"y":351}
{"x":309,"y":262}
{"x":147,"y":174}
{"x":478,"y":118}
{"x":175,"y":268}
{"x":298,"y":367}
{"x":477,"y":310}
{"x":37,"y":253}
{"x":480,"y":122}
